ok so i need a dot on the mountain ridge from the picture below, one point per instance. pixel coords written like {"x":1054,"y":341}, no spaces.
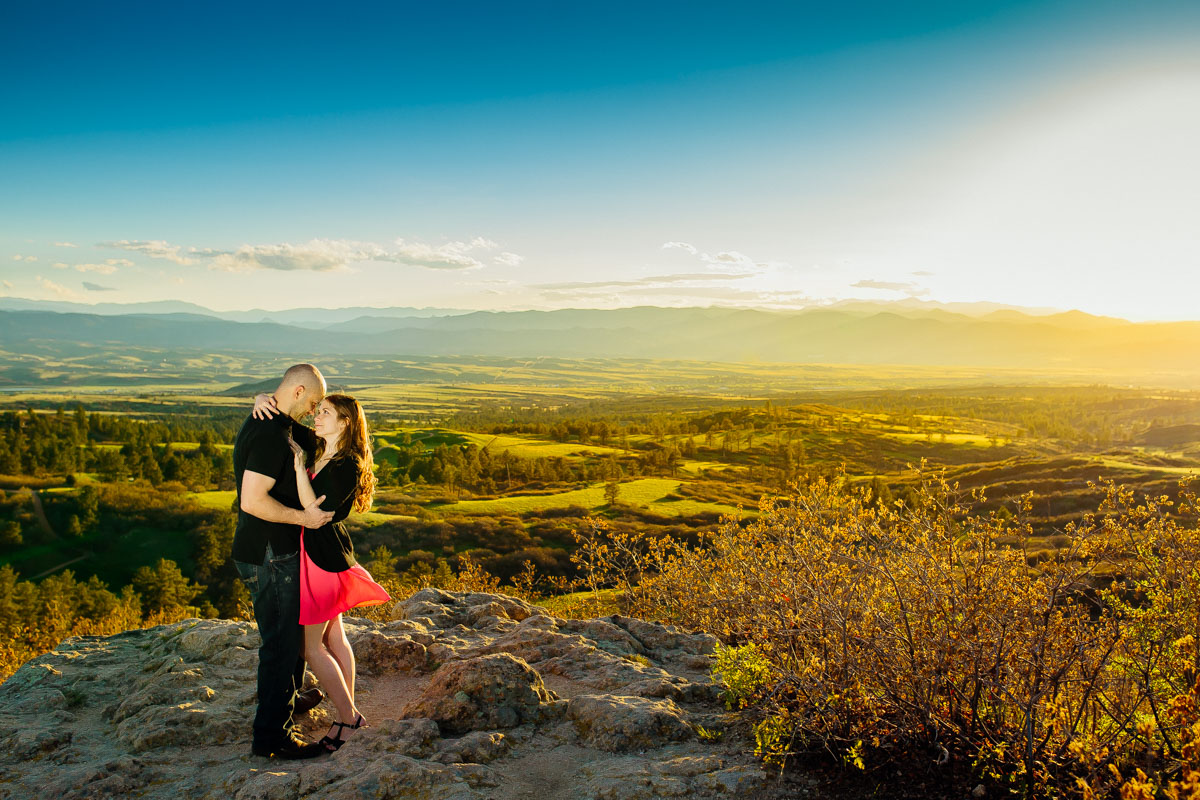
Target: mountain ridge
{"x":860,"y":335}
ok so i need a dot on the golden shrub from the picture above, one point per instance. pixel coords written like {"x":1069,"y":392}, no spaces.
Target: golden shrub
{"x":909,"y":627}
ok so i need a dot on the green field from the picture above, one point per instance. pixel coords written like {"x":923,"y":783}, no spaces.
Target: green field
{"x":942,"y":437}
{"x":653,"y":493}
{"x":519,"y":446}
{"x":216,"y":500}
{"x":536,"y":448}
{"x":1117,"y":463}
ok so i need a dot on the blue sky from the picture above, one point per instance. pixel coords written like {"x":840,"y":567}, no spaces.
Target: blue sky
{"x":542,"y":155}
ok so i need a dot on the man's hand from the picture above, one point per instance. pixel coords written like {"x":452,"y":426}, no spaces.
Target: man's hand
{"x":314,"y":517}
{"x":257,"y":501}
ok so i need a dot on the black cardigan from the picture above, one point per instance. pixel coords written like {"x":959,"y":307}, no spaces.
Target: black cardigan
{"x":329,"y":546}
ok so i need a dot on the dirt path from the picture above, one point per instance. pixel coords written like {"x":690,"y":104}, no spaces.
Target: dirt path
{"x":38,"y":510}
{"x":57,"y":567}
{"x":385,"y":696}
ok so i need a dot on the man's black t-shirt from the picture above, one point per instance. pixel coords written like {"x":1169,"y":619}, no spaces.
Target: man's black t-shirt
{"x":262,"y":447}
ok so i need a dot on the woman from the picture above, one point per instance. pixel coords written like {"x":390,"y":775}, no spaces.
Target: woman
{"x":331,"y":581}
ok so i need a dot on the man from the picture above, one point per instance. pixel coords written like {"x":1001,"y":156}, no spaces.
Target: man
{"x":266,"y":552}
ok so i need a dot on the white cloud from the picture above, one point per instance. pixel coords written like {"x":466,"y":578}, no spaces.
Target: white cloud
{"x":95,"y":287}
{"x":19,"y":257}
{"x":324,"y":255}
{"x":723,"y":293}
{"x":8,"y":285}
{"x":317,"y":256}
{"x":153,"y":249}
{"x":65,"y":244}
{"x":686,"y":295}
{"x":57,"y":289}
{"x":680,"y":245}
{"x":724,"y":260}
{"x":732,"y":258}
{"x":118,"y":262}
{"x":101,"y":269}
{"x":320,"y":255}
{"x":451,"y":255}
{"x":655,"y":280}
{"x":910,"y":289}
{"x":61,"y":265}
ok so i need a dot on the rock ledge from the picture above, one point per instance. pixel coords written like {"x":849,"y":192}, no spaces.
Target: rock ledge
{"x":469,"y":696}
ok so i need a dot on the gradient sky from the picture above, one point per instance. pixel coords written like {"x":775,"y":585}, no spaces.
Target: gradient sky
{"x":546,"y":155}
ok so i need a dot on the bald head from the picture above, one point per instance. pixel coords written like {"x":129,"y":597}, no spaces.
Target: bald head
{"x":300,"y":391}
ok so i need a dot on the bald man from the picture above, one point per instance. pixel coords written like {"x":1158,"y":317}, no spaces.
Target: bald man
{"x":266,"y":552}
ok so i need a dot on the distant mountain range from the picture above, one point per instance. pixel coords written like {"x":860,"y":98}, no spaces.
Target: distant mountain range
{"x":914,"y":332}
{"x":305,"y":317}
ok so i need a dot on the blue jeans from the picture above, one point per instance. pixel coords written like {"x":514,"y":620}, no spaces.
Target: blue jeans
{"x":275,"y":589}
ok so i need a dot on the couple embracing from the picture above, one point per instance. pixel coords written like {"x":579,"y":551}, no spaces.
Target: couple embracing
{"x":295,"y":486}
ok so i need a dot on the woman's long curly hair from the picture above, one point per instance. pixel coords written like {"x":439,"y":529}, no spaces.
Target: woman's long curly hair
{"x":355,"y":443}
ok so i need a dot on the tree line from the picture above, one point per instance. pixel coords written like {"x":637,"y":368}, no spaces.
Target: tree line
{"x":116,"y":447}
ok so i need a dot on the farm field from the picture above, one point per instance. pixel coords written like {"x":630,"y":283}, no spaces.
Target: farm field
{"x":657,"y":494}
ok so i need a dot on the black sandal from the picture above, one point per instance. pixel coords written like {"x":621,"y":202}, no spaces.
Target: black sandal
{"x":332,"y":744}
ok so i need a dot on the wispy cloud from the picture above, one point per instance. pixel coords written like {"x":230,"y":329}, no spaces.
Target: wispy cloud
{"x":656,"y":280}
{"x":8,"y":285}
{"x":65,"y":244}
{"x":95,"y":287}
{"x":19,"y":257}
{"x":680,"y":246}
{"x":724,"y":259}
{"x":57,"y":289}
{"x":732,"y":258}
{"x":684,"y":295}
{"x":106,"y":268}
{"x":910,"y":289}
{"x":316,"y":256}
{"x":322,"y":255}
{"x":153,"y":249}
{"x":721,"y":293}
{"x":452,"y":255}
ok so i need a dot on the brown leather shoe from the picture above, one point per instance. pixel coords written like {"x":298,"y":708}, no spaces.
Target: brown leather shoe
{"x":307,"y":700}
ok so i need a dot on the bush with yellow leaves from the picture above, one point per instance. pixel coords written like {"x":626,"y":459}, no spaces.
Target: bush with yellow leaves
{"x":907,"y":628}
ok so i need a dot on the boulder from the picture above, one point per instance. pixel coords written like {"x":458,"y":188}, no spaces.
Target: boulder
{"x":618,"y":724}
{"x":384,"y":652}
{"x":482,"y":693}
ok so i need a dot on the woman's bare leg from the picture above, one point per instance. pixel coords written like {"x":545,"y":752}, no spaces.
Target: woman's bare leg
{"x":329,"y":673}
{"x":337,"y":644}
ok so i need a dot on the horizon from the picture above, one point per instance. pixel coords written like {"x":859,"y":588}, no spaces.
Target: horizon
{"x":980,"y":307}
{"x":779,"y":157}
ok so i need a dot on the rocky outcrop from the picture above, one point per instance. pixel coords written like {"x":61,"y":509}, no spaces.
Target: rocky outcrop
{"x":468,"y":696}
{"x":483,"y":693}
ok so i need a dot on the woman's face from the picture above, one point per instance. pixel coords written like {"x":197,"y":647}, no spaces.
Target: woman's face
{"x":326,"y":421}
